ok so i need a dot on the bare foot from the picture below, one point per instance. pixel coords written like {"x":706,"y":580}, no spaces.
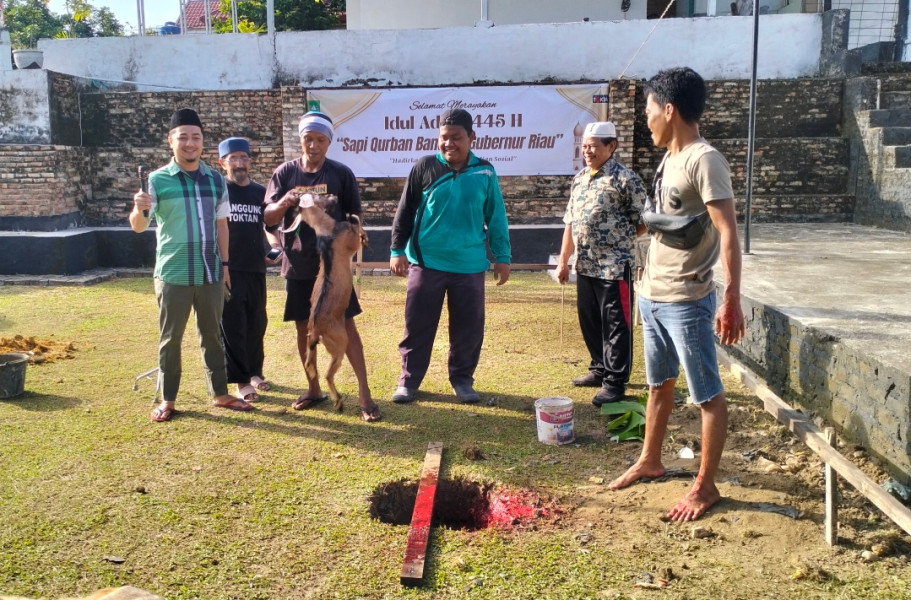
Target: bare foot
{"x":635,"y":473}
{"x":695,"y":503}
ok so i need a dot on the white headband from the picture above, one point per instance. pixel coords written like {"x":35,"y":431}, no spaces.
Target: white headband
{"x":314,"y":121}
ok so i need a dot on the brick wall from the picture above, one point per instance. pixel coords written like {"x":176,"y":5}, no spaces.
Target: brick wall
{"x":115,"y":177}
{"x":784,"y":108}
{"x":45,"y":185}
{"x":141,"y":119}
{"x":293,"y":105}
{"x":801,"y":163}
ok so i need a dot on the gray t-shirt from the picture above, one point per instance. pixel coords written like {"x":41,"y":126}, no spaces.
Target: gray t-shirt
{"x":684,"y":183}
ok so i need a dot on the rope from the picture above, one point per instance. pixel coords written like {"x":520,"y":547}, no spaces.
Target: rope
{"x":645,"y":41}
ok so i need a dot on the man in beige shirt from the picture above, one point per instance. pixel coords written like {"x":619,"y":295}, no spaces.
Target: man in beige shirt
{"x":693,"y":222}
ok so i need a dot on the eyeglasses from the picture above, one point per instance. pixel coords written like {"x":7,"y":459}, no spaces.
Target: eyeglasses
{"x":234,"y":160}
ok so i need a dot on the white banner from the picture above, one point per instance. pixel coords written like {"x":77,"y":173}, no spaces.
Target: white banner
{"x":522,"y":130}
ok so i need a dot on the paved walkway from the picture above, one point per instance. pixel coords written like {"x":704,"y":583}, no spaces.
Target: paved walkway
{"x":848,"y":280}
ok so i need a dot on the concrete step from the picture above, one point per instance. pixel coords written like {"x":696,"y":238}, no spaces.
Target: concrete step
{"x":897,"y":117}
{"x":897,"y":157}
{"x":894,"y":183}
{"x":896,"y":136}
{"x":894,"y":83}
{"x":893,"y":100}
{"x":886,"y":68}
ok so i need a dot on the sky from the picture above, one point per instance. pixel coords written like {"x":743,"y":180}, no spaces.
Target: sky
{"x":157,"y":12}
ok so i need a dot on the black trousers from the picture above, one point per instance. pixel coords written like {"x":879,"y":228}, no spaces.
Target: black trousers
{"x":605,"y":317}
{"x":243,"y":325}
{"x":464,"y":293}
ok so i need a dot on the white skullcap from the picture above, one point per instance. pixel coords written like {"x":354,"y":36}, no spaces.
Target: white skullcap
{"x":600,"y":129}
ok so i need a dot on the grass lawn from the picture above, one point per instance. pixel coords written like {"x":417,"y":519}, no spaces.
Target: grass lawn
{"x":273,"y":503}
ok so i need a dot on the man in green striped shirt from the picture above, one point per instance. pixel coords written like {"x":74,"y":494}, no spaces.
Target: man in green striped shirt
{"x":189,"y":201}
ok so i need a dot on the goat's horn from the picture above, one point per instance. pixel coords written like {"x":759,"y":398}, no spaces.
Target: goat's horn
{"x":295,"y":224}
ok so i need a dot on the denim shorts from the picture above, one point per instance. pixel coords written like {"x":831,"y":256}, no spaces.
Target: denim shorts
{"x":678,"y":333}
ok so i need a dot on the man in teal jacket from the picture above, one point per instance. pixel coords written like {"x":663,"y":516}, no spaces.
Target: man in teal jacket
{"x":450,"y":209}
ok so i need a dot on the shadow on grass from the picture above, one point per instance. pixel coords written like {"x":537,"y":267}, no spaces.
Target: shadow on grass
{"x":431,"y":414}
{"x":35,"y":402}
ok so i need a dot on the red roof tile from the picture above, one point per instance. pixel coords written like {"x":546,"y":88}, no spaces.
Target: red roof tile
{"x":196,"y":13}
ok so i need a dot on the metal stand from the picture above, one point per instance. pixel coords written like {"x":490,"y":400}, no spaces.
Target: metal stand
{"x":148,"y":375}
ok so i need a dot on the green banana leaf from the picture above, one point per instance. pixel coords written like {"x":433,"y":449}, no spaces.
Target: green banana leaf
{"x":628,"y":422}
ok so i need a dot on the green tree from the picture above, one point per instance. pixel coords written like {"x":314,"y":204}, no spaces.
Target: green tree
{"x":106,"y":24}
{"x":30,"y":20}
{"x":290,"y":15}
{"x":84,"y":20}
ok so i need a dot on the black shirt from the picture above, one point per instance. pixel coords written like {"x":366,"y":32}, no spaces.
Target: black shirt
{"x":246,"y":241}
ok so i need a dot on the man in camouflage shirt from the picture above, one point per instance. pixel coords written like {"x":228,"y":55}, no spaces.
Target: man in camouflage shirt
{"x":602,"y":221}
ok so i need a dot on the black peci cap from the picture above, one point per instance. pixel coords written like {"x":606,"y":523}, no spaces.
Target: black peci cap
{"x":185,"y":116}
{"x":457,"y":116}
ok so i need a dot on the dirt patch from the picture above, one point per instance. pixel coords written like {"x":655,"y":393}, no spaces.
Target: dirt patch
{"x":465,"y":504}
{"x":38,"y":351}
{"x":770,"y":519}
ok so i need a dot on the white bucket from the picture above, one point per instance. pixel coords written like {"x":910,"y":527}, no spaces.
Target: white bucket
{"x":555,"y":420}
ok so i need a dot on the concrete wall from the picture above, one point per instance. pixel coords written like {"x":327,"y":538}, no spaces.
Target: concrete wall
{"x":594,"y":51}
{"x":417,"y":14}
{"x":866,"y":399}
{"x":25,"y":116}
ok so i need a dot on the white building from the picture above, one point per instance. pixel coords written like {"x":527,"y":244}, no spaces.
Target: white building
{"x":872,"y":21}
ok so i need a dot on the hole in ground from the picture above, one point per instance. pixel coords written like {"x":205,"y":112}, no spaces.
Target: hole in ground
{"x":463,"y":504}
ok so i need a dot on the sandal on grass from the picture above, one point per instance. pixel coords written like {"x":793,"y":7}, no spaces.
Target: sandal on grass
{"x":235,"y":404}
{"x":248,"y":392}
{"x":371,"y":414}
{"x":260,"y":384}
{"x":305,"y":402}
{"x":159,"y":415}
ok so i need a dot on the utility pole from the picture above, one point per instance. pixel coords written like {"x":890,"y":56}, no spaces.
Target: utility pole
{"x":183,"y":17}
{"x":141,"y":16}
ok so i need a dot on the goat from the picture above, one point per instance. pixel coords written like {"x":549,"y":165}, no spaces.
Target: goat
{"x":337,"y":242}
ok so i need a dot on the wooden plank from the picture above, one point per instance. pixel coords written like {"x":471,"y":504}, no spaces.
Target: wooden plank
{"x":813,"y":438}
{"x":831,"y":495}
{"x":422,"y":517}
